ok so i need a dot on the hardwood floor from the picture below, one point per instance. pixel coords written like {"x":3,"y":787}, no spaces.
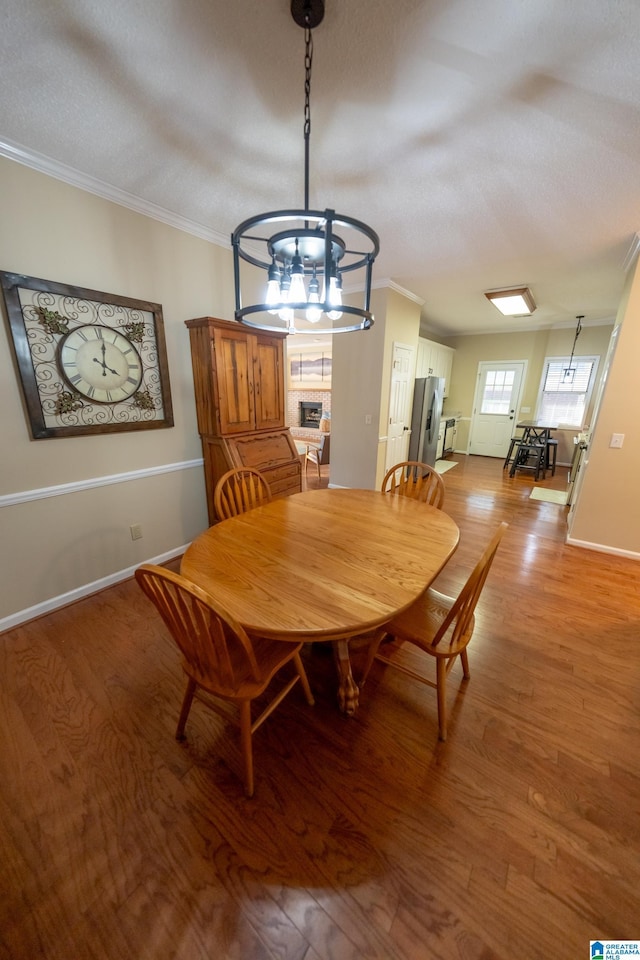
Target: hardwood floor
{"x":517,"y":838}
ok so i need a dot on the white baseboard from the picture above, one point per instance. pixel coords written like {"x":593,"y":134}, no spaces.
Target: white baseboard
{"x":603,"y":548}
{"x":54,"y":603}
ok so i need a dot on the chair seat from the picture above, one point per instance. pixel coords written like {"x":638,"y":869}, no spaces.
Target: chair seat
{"x":273,"y":655}
{"x":438,"y":625}
{"x":421,"y":622}
{"x":219,"y":657}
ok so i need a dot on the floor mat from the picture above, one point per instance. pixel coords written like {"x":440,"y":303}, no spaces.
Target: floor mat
{"x":549,"y":496}
{"x":443,"y":465}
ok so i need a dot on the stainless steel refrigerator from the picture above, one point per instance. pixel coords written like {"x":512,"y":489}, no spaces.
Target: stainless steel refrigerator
{"x":428,"y":396}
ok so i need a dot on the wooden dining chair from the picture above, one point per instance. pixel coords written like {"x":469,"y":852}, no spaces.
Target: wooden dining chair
{"x":440,"y":626}
{"x":239,"y":490}
{"x":220,"y":660}
{"x":416,"y":480}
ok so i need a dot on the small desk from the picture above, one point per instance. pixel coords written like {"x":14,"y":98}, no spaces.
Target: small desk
{"x":323,"y":565}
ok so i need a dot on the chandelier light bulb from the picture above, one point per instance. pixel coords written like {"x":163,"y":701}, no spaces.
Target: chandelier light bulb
{"x":314,"y":313}
{"x":297,"y":292}
{"x":335,"y":297}
{"x":273,"y":288}
{"x":285,"y":313}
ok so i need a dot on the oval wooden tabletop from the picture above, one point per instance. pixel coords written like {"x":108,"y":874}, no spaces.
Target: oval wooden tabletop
{"x":323,"y":564}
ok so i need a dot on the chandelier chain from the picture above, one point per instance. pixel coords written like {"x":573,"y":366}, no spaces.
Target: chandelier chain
{"x":308,"y":63}
{"x":304,"y":259}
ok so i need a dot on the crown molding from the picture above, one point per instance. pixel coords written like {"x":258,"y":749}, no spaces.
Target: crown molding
{"x":632,"y":253}
{"x":392,"y":285}
{"x":75,"y":178}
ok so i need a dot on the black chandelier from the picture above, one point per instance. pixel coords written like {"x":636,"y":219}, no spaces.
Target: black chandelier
{"x":305,"y":260}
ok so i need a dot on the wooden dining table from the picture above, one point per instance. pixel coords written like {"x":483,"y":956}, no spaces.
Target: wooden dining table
{"x":323,"y":565}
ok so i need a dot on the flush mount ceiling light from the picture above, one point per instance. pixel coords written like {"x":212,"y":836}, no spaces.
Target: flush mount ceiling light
{"x":304,"y":260}
{"x":516,"y":302}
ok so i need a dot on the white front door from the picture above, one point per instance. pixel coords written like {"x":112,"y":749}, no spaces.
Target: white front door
{"x":495,"y":407}
{"x":399,"y":419}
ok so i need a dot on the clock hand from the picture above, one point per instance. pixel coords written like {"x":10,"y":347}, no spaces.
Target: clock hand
{"x":105,"y":367}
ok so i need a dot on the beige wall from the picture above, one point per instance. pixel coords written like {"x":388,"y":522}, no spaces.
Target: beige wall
{"x":55,"y":546}
{"x":606,"y":512}
{"x":58,"y":544}
{"x":531,"y":346}
{"x":357,"y":364}
{"x":361,"y":383}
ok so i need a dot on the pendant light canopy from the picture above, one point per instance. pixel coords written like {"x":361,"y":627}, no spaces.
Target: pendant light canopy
{"x":304,"y":254}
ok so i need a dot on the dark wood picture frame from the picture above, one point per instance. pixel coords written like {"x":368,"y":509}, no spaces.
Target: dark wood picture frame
{"x":41,"y":314}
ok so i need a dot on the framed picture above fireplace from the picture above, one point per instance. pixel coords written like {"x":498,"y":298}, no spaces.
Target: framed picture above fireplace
{"x":308,"y":369}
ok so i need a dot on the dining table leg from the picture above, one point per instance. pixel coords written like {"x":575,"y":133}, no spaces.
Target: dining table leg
{"x":347,"y":687}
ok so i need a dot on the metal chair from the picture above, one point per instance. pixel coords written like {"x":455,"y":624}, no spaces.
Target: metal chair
{"x":530,"y":455}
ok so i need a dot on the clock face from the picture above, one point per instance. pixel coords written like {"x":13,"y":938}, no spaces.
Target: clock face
{"x":100,"y":363}
{"x":88,"y":362}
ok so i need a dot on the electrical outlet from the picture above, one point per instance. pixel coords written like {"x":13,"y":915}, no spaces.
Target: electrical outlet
{"x":617,"y":439}
{"x":136,"y":531}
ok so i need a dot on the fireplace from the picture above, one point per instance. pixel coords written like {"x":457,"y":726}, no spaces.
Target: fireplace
{"x":310,"y":414}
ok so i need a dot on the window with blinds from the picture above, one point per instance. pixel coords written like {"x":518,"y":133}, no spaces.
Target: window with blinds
{"x":565,"y":389}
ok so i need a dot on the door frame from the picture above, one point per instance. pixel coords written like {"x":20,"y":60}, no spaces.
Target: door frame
{"x":477,"y":395}
{"x":392,"y":458}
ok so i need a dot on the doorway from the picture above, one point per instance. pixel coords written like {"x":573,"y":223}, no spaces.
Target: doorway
{"x":497,"y":400}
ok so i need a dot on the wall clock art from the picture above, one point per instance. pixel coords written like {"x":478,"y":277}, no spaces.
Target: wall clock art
{"x":88,"y":362}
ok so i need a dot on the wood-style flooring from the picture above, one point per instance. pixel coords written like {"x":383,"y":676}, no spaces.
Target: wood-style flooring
{"x":517,"y":839}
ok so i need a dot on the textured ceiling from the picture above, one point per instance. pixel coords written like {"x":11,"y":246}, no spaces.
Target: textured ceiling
{"x":489,"y":144}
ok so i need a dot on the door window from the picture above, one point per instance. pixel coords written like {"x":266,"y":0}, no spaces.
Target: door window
{"x":496,"y":395}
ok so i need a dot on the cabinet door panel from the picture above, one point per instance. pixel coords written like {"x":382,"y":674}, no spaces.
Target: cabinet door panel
{"x":269,"y":384}
{"x":234,"y":369}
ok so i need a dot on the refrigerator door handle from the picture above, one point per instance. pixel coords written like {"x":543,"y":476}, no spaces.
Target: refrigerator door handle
{"x":431,"y":419}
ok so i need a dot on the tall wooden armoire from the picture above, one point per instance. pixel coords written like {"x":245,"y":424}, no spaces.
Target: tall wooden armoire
{"x":240,"y":404}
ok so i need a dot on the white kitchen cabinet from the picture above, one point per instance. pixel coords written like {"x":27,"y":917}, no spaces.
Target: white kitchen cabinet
{"x":423,"y":359}
{"x":434,"y":360}
{"x":445,"y":366}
